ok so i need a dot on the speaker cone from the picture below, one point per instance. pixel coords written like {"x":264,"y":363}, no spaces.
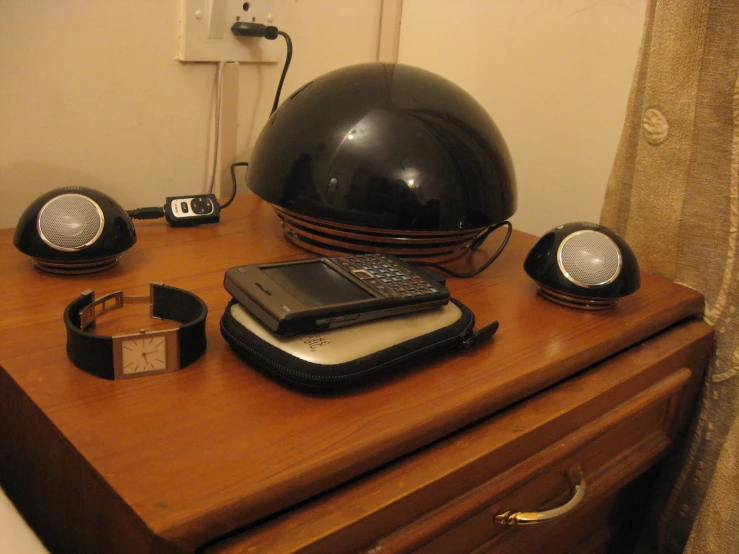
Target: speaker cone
{"x":69,"y":222}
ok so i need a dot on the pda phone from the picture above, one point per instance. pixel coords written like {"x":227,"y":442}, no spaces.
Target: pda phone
{"x":317,"y":294}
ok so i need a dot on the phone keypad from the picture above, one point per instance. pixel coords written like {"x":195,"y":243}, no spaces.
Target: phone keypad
{"x":387,"y":276}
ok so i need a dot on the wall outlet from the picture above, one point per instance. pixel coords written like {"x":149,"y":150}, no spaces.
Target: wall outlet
{"x":205,"y":31}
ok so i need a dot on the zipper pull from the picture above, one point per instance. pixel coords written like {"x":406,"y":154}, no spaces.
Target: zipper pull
{"x":481,"y":334}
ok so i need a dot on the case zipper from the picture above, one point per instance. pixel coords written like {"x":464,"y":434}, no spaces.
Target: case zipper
{"x":465,"y":338}
{"x":481,"y":334}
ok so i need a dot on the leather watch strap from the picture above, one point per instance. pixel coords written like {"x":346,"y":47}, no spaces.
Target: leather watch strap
{"x":188,"y":309}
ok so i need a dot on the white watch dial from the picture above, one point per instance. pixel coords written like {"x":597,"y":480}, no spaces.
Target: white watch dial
{"x":144,"y":354}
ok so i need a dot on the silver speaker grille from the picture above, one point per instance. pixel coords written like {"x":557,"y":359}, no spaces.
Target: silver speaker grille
{"x":70,"y":222}
{"x":589,"y":258}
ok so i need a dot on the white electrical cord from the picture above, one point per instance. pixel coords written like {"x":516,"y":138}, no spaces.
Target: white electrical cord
{"x":217,"y":125}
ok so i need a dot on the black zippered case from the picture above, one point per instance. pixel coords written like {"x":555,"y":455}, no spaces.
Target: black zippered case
{"x":348,"y":356}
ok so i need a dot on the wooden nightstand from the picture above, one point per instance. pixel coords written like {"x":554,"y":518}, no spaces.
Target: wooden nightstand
{"x":219,"y":458}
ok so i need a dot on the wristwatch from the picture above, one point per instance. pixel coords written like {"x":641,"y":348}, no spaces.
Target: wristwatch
{"x":137,"y":354}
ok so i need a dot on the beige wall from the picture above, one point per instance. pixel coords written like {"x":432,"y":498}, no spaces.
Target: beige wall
{"x":91,"y":93}
{"x":553,"y":74}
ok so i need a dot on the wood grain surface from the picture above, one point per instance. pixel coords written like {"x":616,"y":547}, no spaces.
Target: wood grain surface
{"x":190,"y":456}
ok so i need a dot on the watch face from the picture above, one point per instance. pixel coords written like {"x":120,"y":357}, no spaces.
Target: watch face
{"x":146,"y":353}
{"x":143,"y":354}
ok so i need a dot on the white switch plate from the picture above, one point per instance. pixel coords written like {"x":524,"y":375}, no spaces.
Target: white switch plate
{"x":205,"y":32}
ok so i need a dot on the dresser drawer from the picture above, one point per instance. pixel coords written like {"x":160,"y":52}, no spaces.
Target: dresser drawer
{"x":599,"y":430}
{"x":568,"y":478}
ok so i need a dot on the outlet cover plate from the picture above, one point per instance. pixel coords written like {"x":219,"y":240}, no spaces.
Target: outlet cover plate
{"x":205,"y":32}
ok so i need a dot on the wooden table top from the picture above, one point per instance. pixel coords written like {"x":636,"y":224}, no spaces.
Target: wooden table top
{"x":211,"y":448}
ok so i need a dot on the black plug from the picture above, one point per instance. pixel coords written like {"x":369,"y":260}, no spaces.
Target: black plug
{"x":146,"y":213}
{"x":241,"y":29}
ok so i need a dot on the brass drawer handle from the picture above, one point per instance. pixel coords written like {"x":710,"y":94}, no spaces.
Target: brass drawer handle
{"x":529,"y":518}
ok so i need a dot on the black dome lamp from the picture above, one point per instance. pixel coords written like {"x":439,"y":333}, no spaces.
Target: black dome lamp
{"x":384,"y":158}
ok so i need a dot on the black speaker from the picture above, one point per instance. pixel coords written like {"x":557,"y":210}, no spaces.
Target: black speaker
{"x":74,"y":230}
{"x":583,"y":265}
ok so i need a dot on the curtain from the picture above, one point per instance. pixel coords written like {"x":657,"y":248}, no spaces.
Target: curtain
{"x":673,"y":195}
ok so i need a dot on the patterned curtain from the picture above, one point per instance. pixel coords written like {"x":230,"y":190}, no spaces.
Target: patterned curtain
{"x":673,"y":194}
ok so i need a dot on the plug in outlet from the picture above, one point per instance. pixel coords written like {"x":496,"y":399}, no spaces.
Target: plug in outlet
{"x":205,"y":31}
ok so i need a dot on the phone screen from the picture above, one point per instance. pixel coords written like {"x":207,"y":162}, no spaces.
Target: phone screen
{"x":316,"y":284}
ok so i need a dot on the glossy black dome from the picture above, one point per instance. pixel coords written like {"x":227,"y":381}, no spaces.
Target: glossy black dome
{"x":385,"y":147}
{"x":74,"y":230}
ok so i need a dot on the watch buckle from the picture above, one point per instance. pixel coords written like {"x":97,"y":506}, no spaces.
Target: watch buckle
{"x":113,"y":301}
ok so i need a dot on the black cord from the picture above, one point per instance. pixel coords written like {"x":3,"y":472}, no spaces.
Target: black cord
{"x":233,"y":181}
{"x":474,"y":246}
{"x":270,"y":33}
{"x":288,"y":57}
{"x":244,"y":29}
